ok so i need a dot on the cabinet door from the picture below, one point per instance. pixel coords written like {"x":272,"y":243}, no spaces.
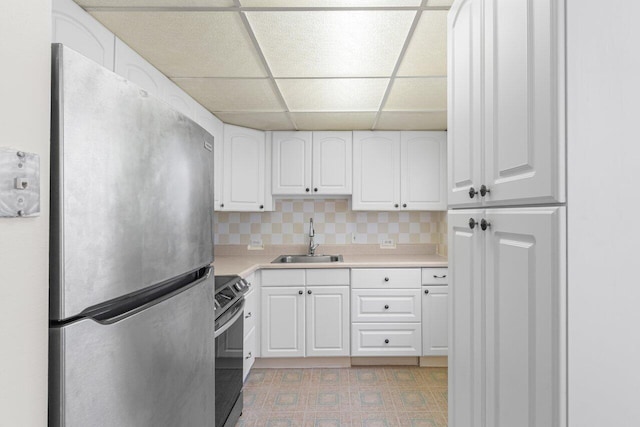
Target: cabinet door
{"x":75,"y":28}
{"x":526,"y":319}
{"x":178,"y":99}
{"x":332,"y":163}
{"x":214,"y":126}
{"x":291,"y":163}
{"x":327,"y":321}
{"x":136,"y":69}
{"x":423,"y":171}
{"x":466,"y":308}
{"x":249,"y":348}
{"x":465,"y":102}
{"x":282,"y":326}
{"x":524,"y":110}
{"x":244,"y":169}
{"x":435,"y":320}
{"x":376,"y":171}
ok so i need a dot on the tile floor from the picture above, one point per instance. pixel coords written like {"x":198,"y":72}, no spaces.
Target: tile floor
{"x":359,"y":396}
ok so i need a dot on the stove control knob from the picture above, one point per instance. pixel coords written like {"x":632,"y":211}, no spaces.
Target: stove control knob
{"x":237,"y":287}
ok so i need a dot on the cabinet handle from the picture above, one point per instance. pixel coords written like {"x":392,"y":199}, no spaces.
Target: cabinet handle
{"x":404,"y":205}
{"x":426,"y":291}
{"x":484,"y":224}
{"x":315,"y":190}
{"x":300,"y":292}
{"x":435,"y":276}
{"x":386,"y":306}
{"x":395,"y":206}
{"x":309,"y":292}
{"x":386,"y":279}
{"x":248,"y":315}
{"x":386,"y":341}
{"x":306,"y":189}
{"x":472,"y":193}
{"x":222,"y":205}
{"x":249,"y":356}
{"x":261,"y":206}
{"x":484,"y":190}
{"x":472,"y":223}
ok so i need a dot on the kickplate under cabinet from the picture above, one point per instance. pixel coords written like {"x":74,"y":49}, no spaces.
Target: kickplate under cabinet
{"x":19,"y":183}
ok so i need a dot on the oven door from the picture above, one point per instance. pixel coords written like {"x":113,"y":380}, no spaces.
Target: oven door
{"x":229,"y":361}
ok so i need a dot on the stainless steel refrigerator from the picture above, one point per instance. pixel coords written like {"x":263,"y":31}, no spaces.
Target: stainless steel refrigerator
{"x":131,"y":287}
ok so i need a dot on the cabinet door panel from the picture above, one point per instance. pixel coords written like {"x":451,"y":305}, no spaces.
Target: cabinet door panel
{"x":376,"y":171}
{"x":381,"y":305}
{"x":525,"y":324}
{"x":136,"y":69}
{"x":75,"y":28}
{"x":435,"y":320}
{"x":327,"y":321}
{"x":465,"y":102}
{"x":524,"y":109}
{"x":332,"y":162}
{"x":282,"y":326}
{"x":291,"y":163}
{"x":466,"y":318}
{"x":423,"y":171}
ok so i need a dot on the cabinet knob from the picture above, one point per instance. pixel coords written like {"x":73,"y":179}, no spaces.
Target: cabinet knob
{"x":306,"y":189}
{"x":248,"y":315}
{"x":309,"y":292}
{"x":386,"y":341}
{"x":315,"y":190}
{"x":404,"y":205}
{"x":472,"y":193}
{"x":472,"y":223}
{"x":484,"y":224}
{"x":261,"y":206}
{"x":248,"y":356}
{"x":484,"y":190}
{"x":222,"y":205}
{"x":386,"y":279}
{"x":386,"y":306}
{"x":395,"y":206}
{"x":426,"y":291}
{"x":300,"y":292}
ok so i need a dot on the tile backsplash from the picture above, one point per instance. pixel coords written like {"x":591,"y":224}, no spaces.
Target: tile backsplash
{"x":334,"y":223}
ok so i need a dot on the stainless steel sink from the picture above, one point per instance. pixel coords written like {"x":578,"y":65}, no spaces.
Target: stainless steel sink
{"x":294,"y":259}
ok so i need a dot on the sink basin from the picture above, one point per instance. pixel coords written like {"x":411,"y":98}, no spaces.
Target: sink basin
{"x":294,"y":259}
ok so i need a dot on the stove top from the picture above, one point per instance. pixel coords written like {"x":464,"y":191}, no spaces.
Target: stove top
{"x":229,"y":290}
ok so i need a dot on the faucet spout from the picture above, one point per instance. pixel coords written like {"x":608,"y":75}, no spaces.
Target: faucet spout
{"x":312,"y":244}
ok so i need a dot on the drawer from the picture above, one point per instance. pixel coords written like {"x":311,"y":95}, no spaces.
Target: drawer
{"x":435,"y":276}
{"x":385,"y":278}
{"x":249,"y":350}
{"x":382,"y":305}
{"x":293,"y":277}
{"x":250,"y":311}
{"x":327,"y":276}
{"x":380,"y":339}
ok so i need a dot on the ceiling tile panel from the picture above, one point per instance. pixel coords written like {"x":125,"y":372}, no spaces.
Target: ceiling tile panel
{"x":188,"y":44}
{"x":417,"y":94}
{"x":258,"y":120}
{"x":330,"y":3}
{"x":427,"y":51}
{"x":155,"y":3}
{"x":436,"y":120}
{"x":331,"y":43}
{"x":334,"y":121}
{"x":232,"y":94}
{"x":333,"y":94}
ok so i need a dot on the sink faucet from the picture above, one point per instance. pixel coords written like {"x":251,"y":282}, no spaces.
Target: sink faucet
{"x":312,"y":245}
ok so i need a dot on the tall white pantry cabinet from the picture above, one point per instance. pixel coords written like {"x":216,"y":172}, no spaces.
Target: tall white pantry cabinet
{"x":543,"y":161}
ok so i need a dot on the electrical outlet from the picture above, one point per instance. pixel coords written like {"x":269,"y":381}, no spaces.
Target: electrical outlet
{"x":388,"y":244}
{"x":255,"y":245}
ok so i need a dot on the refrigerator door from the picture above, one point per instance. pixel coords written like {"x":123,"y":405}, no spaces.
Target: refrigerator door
{"x":131,"y":188}
{"x":154,"y":368}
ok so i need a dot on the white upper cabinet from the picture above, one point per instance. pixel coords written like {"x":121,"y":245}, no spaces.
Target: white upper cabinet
{"x":243,"y":185}
{"x":506,"y":118}
{"x":215,"y":127}
{"x":136,"y":69}
{"x":312,"y":163}
{"x":75,"y":28}
{"x":179,"y":99}
{"x":399,"y":170}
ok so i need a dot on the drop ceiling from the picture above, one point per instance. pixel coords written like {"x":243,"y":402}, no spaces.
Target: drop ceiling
{"x":296,"y":64}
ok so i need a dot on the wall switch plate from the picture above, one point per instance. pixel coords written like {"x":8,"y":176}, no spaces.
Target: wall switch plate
{"x":19,"y":183}
{"x":387,"y":244}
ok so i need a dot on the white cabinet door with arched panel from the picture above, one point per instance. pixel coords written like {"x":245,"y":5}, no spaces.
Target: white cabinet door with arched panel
{"x":332,"y":163}
{"x":423,"y":172}
{"x":376,"y":170}
{"x":291,"y":163}
{"x":136,"y":69}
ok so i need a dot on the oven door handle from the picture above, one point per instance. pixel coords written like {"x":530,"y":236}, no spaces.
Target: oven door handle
{"x":231,"y":321}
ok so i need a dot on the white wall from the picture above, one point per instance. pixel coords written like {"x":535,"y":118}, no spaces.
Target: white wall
{"x":24,"y":262}
{"x":603,"y":216}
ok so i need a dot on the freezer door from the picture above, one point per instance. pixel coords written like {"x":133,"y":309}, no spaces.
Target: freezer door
{"x":154,"y":368}
{"x":131,"y":188}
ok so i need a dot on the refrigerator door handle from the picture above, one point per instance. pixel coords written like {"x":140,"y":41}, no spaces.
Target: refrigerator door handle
{"x":230,"y":322}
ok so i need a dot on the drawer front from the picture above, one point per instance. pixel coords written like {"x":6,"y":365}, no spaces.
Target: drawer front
{"x":327,"y":276}
{"x":380,"y":339}
{"x":381,"y":305}
{"x":293,"y":277}
{"x":435,"y":276}
{"x":250,"y":311}
{"x":386,"y":278}
{"x":249,"y":350}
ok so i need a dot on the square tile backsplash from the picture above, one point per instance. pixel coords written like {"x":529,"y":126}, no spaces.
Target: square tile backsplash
{"x":334,"y":223}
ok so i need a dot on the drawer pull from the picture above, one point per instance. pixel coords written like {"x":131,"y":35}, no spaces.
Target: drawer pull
{"x":248,"y":315}
{"x":386,"y":341}
{"x":426,"y":291}
{"x":309,"y":292}
{"x":249,"y":356}
{"x":386,"y":279}
{"x":435,"y":276}
{"x":300,"y":292}
{"x":386,"y":306}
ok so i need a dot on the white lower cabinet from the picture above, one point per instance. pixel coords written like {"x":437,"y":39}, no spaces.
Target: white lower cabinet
{"x":250,"y":325}
{"x":385,"y":339}
{"x":305,"y":320}
{"x":435,"y":320}
{"x":249,"y":348}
